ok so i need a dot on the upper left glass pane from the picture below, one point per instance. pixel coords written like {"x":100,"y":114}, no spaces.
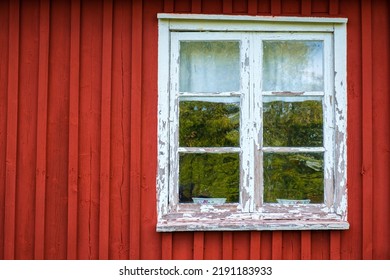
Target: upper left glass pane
{"x":209,"y":66}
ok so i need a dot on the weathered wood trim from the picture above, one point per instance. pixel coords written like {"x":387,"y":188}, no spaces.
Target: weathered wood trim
{"x":175,"y":216}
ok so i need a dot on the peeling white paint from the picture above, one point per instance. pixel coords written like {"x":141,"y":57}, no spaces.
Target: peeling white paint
{"x":250,"y":213}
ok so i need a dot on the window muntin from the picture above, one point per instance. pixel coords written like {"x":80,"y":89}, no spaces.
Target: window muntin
{"x":322,"y":159}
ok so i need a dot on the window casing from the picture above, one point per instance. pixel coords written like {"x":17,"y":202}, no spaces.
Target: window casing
{"x":260,"y":71}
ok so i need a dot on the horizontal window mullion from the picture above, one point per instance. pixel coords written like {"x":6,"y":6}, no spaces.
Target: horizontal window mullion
{"x":216,"y":150}
{"x":293,"y":149}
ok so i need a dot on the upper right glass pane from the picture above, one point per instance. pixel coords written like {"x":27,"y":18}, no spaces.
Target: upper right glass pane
{"x":296,"y":66}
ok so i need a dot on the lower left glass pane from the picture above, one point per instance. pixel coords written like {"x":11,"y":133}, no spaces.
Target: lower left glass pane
{"x":209,"y":175}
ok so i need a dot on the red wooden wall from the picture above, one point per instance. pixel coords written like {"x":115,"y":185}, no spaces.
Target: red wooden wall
{"x":78,"y":112}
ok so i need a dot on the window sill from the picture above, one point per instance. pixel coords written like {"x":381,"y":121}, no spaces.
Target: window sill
{"x":244,"y":222}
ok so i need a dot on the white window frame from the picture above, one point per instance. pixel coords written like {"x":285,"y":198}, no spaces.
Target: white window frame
{"x":250,"y":213}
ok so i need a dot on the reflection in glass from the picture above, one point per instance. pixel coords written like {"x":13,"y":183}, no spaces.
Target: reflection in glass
{"x":209,"y":175}
{"x":293,"y":66}
{"x":293,"y":176}
{"x":209,"y":66}
{"x":209,"y":124}
{"x":293,"y":121}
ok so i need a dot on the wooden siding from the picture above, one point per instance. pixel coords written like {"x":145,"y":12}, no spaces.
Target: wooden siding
{"x":78,"y":123}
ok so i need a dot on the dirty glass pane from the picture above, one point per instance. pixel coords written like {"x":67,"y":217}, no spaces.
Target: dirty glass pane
{"x":209,"y":176}
{"x":292,"y":121}
{"x":297,"y":176}
{"x":293,"y":66}
{"x":209,"y":124}
{"x":209,"y":66}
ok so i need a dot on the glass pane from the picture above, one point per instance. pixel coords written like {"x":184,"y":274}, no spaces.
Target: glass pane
{"x":293,"y":122}
{"x":295,"y":176}
{"x":293,"y":66}
{"x":209,"y":124}
{"x":209,"y":66}
{"x":209,"y":176}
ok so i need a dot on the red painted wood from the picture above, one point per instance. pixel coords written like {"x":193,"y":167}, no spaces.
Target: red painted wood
{"x":305,"y":245}
{"x":72,"y":72}
{"x":381,"y":147}
{"x":27,"y":119}
{"x":12,"y":131}
{"x":227,"y":246}
{"x":352,"y":239}
{"x":255,"y":247}
{"x":183,"y":244}
{"x":291,"y":7}
{"x":43,"y":80}
{"x":120,"y":133}
{"x":89,"y":129}
{"x":105,"y":132}
{"x":198,"y":245}
{"x":166,"y":240}
{"x":252,"y":7}
{"x":306,"y":7}
{"x":150,"y":246}
{"x":276,"y":7}
{"x":241,"y":245}
{"x":73,"y":156}
{"x":335,"y":242}
{"x":277,"y":245}
{"x":57,"y":133}
{"x":135,"y":126}
{"x":367,"y":128}
{"x":4,"y":43}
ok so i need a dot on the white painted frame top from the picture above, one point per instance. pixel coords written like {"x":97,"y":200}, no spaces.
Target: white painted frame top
{"x":250,"y":213}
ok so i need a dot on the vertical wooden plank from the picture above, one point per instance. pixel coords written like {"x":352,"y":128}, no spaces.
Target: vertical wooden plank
{"x":291,"y":245}
{"x":73,"y":155}
{"x":252,"y":7}
{"x":255,"y":248}
{"x":12,"y":131}
{"x":196,"y":6}
{"x":277,"y":245}
{"x":367,"y":129}
{"x":227,"y":7}
{"x":227,"y":246}
{"x":276,"y":7}
{"x":306,"y":7}
{"x":334,"y":7}
{"x":4,"y":45}
{"x":151,"y":245}
{"x":335,"y":245}
{"x":241,"y":245}
{"x":198,"y":245}
{"x":135,"y":126}
{"x":43,"y":80}
{"x":105,"y":131}
{"x":169,"y":6}
{"x":381,"y":128}
{"x":305,"y":245}
{"x":27,"y":129}
{"x":213,"y":245}
{"x":183,"y":245}
{"x":166,"y":246}
{"x":89,"y":129}
{"x":120,"y":132}
{"x":57,"y":133}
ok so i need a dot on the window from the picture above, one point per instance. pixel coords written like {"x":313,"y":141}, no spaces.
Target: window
{"x":252,"y":123}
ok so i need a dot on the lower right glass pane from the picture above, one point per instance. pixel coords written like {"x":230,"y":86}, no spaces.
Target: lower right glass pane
{"x":293,"y":178}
